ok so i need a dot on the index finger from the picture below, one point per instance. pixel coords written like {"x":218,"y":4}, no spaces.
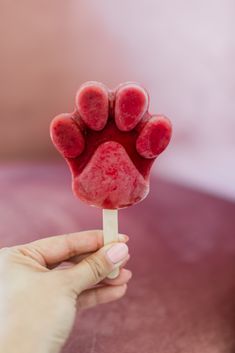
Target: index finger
{"x":52,"y":250}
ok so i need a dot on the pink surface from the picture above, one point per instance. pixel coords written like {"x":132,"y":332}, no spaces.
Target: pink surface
{"x":182,"y":244}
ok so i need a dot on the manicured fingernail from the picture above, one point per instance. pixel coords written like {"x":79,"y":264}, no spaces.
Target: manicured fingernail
{"x":123,"y":237}
{"x":126,"y":260}
{"x":130,"y":275}
{"x":117,"y":252}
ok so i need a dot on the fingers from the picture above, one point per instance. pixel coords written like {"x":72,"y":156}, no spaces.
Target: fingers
{"x":78,"y":258}
{"x":101,"y":295}
{"x":123,"y":278}
{"x":53,"y":250}
{"x":94,"y":268}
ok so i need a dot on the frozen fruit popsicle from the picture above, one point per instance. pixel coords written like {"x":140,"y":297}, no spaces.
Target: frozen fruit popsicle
{"x":110,"y":142}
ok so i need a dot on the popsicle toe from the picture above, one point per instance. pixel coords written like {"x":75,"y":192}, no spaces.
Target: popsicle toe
{"x":92,"y":103}
{"x":67,"y":136}
{"x":154,"y":137}
{"x":131,"y":103}
{"x":110,"y":142}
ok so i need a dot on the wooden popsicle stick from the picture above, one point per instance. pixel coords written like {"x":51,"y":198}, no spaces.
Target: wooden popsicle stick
{"x":110,"y":232}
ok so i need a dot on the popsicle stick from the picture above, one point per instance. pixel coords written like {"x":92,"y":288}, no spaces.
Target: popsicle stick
{"x":110,"y":232}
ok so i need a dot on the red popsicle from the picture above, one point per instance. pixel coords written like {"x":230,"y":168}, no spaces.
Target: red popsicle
{"x":110,"y":142}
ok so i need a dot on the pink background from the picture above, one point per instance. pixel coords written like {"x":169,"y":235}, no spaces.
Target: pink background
{"x":182,"y":52}
{"x":181,"y":297}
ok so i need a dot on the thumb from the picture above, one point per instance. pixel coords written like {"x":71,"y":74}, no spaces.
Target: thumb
{"x":97,"y":266}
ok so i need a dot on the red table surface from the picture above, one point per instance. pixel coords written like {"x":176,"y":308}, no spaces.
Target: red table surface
{"x":182,"y":245}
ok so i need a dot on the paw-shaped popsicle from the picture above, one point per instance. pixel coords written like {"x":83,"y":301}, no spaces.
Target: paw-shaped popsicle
{"x":110,"y":142}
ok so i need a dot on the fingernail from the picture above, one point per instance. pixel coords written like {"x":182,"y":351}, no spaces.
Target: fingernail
{"x":126,"y":260}
{"x":123,"y":237}
{"x":130,"y":275}
{"x":128,"y":272}
{"x":117,"y":252}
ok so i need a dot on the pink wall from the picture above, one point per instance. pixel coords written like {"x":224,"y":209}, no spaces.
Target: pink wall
{"x":183,"y":52}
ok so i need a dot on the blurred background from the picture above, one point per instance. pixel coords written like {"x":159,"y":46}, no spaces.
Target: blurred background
{"x":181,"y":240}
{"x":182,"y":51}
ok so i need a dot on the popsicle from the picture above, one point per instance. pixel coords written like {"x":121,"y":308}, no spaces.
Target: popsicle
{"x":110,"y":142}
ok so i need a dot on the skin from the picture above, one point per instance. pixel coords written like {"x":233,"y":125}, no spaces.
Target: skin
{"x":39,"y":297}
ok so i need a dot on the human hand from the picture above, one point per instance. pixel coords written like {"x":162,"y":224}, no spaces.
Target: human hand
{"x":38,"y":299}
